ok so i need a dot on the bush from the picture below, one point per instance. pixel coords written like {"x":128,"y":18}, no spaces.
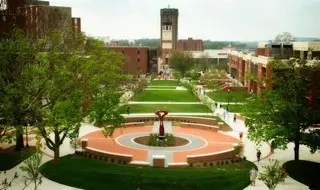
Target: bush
{"x":272,"y":175}
{"x":154,"y":140}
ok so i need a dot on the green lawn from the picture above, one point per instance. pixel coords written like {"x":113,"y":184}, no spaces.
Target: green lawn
{"x":90,"y":174}
{"x":151,"y":108}
{"x":165,"y":96}
{"x":305,"y":172}
{"x":222,"y":96}
{"x":163,"y":83}
{"x":235,"y":108}
{"x":10,"y":159}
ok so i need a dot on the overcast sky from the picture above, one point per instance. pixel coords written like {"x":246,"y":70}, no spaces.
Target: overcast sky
{"x":244,"y":20}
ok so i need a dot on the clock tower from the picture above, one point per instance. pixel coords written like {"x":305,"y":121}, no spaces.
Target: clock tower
{"x":169,"y":33}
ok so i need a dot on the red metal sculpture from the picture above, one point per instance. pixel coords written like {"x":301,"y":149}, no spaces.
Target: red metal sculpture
{"x":161,"y":114}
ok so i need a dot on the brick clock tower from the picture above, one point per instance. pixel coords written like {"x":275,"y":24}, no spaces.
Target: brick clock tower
{"x":169,"y":34}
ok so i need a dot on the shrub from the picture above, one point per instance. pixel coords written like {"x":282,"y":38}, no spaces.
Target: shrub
{"x":272,"y":175}
{"x":154,"y":140}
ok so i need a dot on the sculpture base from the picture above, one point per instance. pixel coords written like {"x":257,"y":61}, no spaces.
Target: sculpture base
{"x":161,"y":137}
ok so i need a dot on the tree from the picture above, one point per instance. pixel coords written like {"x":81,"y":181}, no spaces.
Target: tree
{"x":32,"y":168}
{"x":272,"y":175}
{"x":70,"y":68}
{"x":282,"y":113}
{"x":284,"y":37}
{"x":204,"y":64}
{"x":7,"y":182}
{"x":181,"y":62}
{"x":15,"y":103}
{"x":177,"y":76}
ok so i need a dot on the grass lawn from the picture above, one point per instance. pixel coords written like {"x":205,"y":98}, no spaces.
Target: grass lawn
{"x":235,"y":108}
{"x":222,"y":96}
{"x":90,"y":174}
{"x":151,"y":108}
{"x":163,"y":83}
{"x":165,"y":96}
{"x":11,"y":158}
{"x":305,"y":172}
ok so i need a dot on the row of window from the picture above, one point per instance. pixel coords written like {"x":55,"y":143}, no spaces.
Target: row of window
{"x":138,"y":51}
{"x":166,"y":27}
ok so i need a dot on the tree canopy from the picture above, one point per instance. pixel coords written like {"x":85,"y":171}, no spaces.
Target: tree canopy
{"x":181,"y":62}
{"x":282,"y":113}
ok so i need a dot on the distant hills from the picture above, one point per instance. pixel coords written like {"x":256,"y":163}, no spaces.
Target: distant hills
{"x":306,"y":39}
{"x":208,"y":44}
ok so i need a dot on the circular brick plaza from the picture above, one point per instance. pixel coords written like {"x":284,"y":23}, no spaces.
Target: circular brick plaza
{"x":204,"y":145}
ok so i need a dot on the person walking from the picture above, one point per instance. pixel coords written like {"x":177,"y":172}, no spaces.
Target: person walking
{"x":234,"y":118}
{"x":253,"y":176}
{"x":128,"y":110}
{"x":240,"y":135}
{"x":258,"y":155}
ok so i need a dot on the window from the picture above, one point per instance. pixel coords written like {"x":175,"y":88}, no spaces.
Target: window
{"x":166,"y":27}
{"x":138,"y":60}
{"x":123,"y":51}
{"x":138,"y":52}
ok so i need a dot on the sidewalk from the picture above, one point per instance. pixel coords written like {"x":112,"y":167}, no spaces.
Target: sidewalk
{"x":281,"y":155}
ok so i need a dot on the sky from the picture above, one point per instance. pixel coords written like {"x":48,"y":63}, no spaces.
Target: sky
{"x":218,"y":20}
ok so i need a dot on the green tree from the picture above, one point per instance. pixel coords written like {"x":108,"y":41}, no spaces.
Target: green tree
{"x":32,"y":168}
{"x":177,"y":76}
{"x":282,"y":114}
{"x":181,"y":62}
{"x":70,"y":68}
{"x":272,"y":175}
{"x":16,"y":54}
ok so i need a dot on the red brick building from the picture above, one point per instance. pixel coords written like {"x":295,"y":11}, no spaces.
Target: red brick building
{"x":76,"y":23}
{"x":36,"y":18}
{"x":190,"y":45}
{"x":256,"y":65}
{"x":40,"y":19}
{"x":136,"y":58}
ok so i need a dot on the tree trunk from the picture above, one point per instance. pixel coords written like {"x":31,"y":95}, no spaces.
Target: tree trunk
{"x":35,"y":185}
{"x":56,"y":153}
{"x":297,"y":145}
{"x":19,"y":139}
{"x":296,"y":149}
{"x":56,"y":146}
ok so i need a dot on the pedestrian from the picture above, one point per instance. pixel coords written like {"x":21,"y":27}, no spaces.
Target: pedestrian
{"x":224,"y":114}
{"x":258,"y":155}
{"x":253,"y":176}
{"x":128,"y":110}
{"x":234,"y":118}
{"x":216,"y":104}
{"x":241,"y":135}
